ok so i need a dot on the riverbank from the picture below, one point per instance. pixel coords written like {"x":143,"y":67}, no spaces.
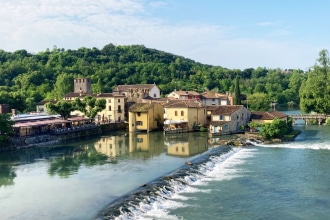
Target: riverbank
{"x":61,"y":135}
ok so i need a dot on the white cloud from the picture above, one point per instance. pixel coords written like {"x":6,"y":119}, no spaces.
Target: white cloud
{"x":39,"y":24}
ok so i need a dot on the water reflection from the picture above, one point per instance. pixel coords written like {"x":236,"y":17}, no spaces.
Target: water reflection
{"x":185,"y":144}
{"x":66,"y":160}
{"x":7,"y":175}
{"x":70,"y":162}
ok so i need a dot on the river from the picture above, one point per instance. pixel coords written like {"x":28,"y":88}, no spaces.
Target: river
{"x":79,"y":180}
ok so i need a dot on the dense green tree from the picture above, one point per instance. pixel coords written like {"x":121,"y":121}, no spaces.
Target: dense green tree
{"x":63,"y":85}
{"x":237,"y":91}
{"x":90,"y":106}
{"x":62,"y":107}
{"x":276,"y":129}
{"x":5,"y":127}
{"x":259,"y":102}
{"x":315,"y":92}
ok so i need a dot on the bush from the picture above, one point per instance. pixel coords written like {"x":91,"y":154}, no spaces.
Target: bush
{"x":276,"y":129}
{"x":327,"y":122}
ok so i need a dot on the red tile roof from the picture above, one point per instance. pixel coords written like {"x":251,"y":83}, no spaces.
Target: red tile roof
{"x":142,"y":107}
{"x":264,"y":115}
{"x":183,"y":104}
{"x":226,"y":109}
{"x":125,"y":88}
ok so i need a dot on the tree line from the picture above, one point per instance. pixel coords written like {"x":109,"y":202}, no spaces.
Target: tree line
{"x":27,"y":78}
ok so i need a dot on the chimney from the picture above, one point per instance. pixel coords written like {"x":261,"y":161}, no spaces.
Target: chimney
{"x":13,"y":112}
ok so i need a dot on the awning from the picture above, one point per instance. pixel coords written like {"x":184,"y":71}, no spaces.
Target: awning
{"x":167,"y":122}
{"x":38,"y":123}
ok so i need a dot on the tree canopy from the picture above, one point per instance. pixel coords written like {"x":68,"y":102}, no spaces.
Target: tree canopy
{"x":26,"y":79}
{"x":315,"y":92}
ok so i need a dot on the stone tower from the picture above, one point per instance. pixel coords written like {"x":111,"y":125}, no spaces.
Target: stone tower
{"x":82,"y":85}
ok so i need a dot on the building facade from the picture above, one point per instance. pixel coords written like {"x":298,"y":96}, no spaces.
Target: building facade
{"x":229,"y":119}
{"x":186,"y":110}
{"x":145,"y":116}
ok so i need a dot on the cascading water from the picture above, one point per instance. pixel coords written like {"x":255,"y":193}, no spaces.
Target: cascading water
{"x":155,"y":195}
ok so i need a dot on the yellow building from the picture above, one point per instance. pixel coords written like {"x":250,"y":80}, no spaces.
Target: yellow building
{"x":147,"y":143}
{"x":145,"y":116}
{"x":263,"y":117}
{"x":185,"y":145}
{"x":192,"y":111}
{"x":112,"y":146}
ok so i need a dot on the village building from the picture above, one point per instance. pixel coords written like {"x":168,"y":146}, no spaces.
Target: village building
{"x":4,"y":109}
{"x":145,"y":116}
{"x":263,"y":117}
{"x":188,"y":113}
{"x":184,"y":95}
{"x":229,"y":119}
{"x":138,"y":90}
{"x":114,"y":109}
{"x":213,"y":98}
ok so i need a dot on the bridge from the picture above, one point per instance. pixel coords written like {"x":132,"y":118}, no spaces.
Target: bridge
{"x":320,"y":118}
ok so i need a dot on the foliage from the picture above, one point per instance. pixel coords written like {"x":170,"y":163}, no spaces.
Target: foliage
{"x":254,"y":125}
{"x":259,"y":102}
{"x":276,"y":129}
{"x":327,"y":122}
{"x":5,"y":127}
{"x":237,"y":90}
{"x":90,"y":106}
{"x":62,"y":107}
{"x":315,"y":92}
{"x":26,"y":79}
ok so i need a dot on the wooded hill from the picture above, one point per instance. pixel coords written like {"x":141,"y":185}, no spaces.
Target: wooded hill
{"x":26,"y":78}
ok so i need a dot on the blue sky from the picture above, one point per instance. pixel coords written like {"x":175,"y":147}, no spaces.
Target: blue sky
{"x":235,"y":34}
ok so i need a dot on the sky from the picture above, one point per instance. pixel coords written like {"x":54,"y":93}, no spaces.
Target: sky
{"x":235,"y":34}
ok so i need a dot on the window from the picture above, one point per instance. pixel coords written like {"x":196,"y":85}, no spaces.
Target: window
{"x":119,"y":108}
{"x":139,"y":140}
{"x":109,"y":107}
{"x":109,"y":100}
{"x":176,"y":113}
{"x":139,"y":123}
{"x":237,"y":117}
{"x":118,"y":100}
{"x":182,"y":113}
{"x":154,"y":95}
{"x":182,"y":149}
{"x":110,"y":146}
{"x":139,"y":114}
{"x":220,"y":117}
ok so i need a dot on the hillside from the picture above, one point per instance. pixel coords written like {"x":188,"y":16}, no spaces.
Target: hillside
{"x":27,"y":78}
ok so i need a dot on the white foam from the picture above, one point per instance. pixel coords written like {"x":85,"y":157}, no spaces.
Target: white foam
{"x":219,"y":168}
{"x":299,"y":145}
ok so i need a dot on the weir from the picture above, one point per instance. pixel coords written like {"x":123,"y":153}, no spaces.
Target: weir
{"x":141,"y":200}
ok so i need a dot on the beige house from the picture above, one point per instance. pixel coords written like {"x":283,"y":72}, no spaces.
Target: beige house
{"x":228,"y":119}
{"x":184,"y":95}
{"x":210,"y":98}
{"x":138,"y":90}
{"x":192,"y":111}
{"x":145,"y":116}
